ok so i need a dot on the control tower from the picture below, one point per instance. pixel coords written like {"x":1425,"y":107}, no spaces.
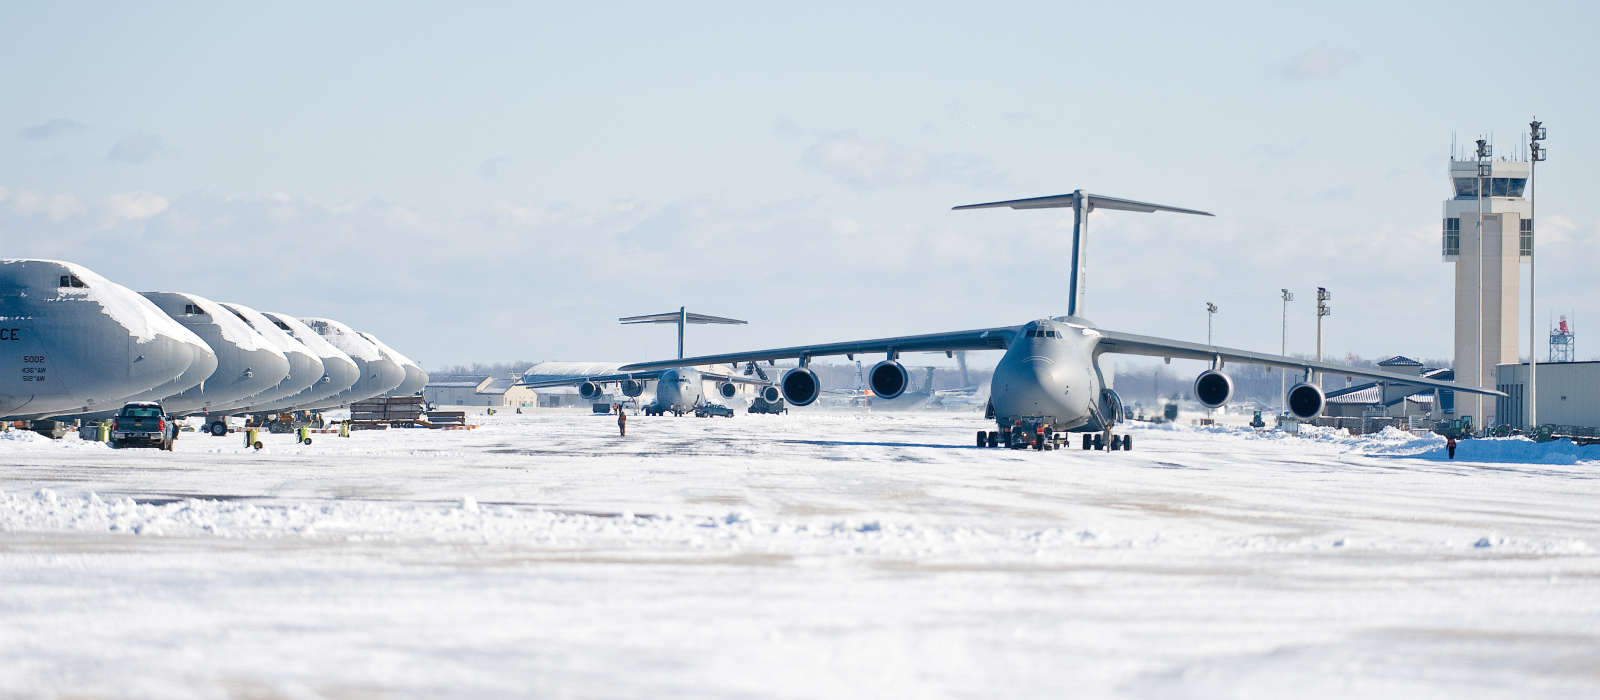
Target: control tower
{"x":1506,"y":240}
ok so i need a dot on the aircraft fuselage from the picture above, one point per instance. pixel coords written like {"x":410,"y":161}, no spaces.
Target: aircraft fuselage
{"x":1050,"y":373}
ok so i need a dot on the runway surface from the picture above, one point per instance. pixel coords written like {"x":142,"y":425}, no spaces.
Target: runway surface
{"x":800,"y":556}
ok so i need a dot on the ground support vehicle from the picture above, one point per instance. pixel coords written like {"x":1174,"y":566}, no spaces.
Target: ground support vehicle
{"x":761,"y":405}
{"x":143,"y":424}
{"x":1578,"y":434}
{"x":711,"y":409}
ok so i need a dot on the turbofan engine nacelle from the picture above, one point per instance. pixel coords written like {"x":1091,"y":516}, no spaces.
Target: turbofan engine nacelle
{"x":590,"y":390}
{"x":632,"y":387}
{"x":770,"y":394}
{"x":727,"y":390}
{"x":1306,"y":401}
{"x":801,"y":386}
{"x":888,"y":379}
{"x":1213,"y":388}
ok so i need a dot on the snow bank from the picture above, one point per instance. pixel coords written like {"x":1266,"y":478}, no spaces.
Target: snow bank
{"x":1399,"y":443}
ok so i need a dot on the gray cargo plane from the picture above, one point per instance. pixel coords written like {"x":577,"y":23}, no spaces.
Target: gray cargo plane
{"x":679,"y":388}
{"x":379,"y":374}
{"x":1051,"y":376}
{"x":416,"y":377}
{"x":72,"y":341}
{"x":339,"y":372}
{"x":305,"y":368}
{"x":247,"y":364}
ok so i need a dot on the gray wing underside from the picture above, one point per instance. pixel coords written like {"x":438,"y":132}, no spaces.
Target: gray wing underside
{"x":736,"y":379}
{"x":980,"y":339}
{"x":1130,"y":344}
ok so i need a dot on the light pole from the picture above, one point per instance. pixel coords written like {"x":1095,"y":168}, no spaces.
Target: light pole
{"x":1323,"y":297}
{"x":1484,"y":169}
{"x":1211,"y":310}
{"x":1535,"y":154}
{"x":1283,"y":378}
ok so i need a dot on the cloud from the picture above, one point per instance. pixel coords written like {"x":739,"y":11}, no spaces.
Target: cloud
{"x":490,"y":169}
{"x":1320,"y":63}
{"x":134,"y":205}
{"x":135,"y":148}
{"x":54,"y":127}
{"x":57,"y":207}
{"x":875,"y":164}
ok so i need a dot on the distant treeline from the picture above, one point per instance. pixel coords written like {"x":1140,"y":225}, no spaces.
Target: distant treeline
{"x":495,"y":369}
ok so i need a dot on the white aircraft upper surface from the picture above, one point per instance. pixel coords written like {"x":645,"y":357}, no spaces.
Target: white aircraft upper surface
{"x":305,"y":368}
{"x":247,"y":363}
{"x":72,"y":341}
{"x":416,"y":377}
{"x":1051,"y":373}
{"x":339,"y":372}
{"x":379,"y":374}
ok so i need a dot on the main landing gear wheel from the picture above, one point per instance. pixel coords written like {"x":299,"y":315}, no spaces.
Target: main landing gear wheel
{"x":258,"y":445}
{"x":983,"y":438}
{"x":219,"y":428}
{"x":1099,"y":442}
{"x":1088,"y":441}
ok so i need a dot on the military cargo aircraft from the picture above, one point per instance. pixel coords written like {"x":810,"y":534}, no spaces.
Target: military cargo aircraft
{"x":339,"y":372}
{"x":247,"y":363}
{"x":305,"y":368}
{"x":379,"y":374}
{"x":1052,"y":377}
{"x":72,"y":341}
{"x":679,"y":388}
{"x":416,"y":377}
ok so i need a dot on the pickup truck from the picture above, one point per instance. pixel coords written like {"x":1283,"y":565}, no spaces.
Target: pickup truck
{"x":708,"y":410}
{"x":143,"y":424}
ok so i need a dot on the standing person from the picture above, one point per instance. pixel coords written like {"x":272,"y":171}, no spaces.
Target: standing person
{"x":1450,"y":445}
{"x":622,"y":421}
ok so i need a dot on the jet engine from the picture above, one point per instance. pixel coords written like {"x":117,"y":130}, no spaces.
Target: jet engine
{"x":1306,"y":401}
{"x":727,"y":390}
{"x":1213,"y":388}
{"x":770,"y":394}
{"x":590,"y":390}
{"x":801,"y":386}
{"x":888,"y":379}
{"x":632,"y":387}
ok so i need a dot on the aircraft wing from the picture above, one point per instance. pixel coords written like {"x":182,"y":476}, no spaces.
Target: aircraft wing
{"x":599,"y":379}
{"x":980,"y":339}
{"x":735,"y":378}
{"x":1130,"y":344}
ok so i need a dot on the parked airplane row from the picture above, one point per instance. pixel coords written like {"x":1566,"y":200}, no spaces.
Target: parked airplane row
{"x":77,"y":345}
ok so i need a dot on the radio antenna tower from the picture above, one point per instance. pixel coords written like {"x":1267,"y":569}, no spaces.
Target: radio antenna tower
{"x":1563,"y":346}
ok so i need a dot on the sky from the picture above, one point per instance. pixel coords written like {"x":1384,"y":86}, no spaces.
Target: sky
{"x":489,"y":182}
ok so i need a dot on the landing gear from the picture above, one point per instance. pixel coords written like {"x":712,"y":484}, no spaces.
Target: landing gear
{"x":1088,"y":442}
{"x":219,"y":428}
{"x":983,"y":438}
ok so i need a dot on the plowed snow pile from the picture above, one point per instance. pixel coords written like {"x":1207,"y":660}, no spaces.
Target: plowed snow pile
{"x":801,"y":556}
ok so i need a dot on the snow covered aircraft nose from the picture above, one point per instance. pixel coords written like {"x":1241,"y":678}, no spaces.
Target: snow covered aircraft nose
{"x":74,"y":341}
{"x":379,"y":375}
{"x":246,"y":363}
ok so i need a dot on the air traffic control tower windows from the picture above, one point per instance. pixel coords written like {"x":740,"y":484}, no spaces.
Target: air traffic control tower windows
{"x":1467,"y":187}
{"x":1525,"y":243}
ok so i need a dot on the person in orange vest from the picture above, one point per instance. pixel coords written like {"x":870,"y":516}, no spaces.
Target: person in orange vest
{"x":1450,"y":445}
{"x":622,"y":420}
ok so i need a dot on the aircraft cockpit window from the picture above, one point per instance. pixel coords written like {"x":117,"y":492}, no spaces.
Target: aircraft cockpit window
{"x":71,"y":281}
{"x":192,"y":309}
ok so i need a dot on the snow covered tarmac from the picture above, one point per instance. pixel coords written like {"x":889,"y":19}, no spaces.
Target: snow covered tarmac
{"x":801,"y":556}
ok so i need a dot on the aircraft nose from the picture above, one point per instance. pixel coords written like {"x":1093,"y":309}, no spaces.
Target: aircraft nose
{"x":159,"y":361}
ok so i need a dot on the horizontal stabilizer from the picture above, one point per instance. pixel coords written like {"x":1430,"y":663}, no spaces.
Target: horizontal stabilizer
{"x":673,"y":317}
{"x":1091,"y":201}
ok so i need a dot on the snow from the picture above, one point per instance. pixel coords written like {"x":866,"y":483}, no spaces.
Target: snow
{"x":347,"y":341}
{"x":232,"y":329}
{"x":812,"y":555}
{"x":143,"y":319}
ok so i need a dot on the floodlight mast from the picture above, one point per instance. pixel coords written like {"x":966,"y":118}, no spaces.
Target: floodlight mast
{"x":1283,"y":379}
{"x":1081,"y":203}
{"x":1535,"y":155}
{"x":1323,"y":297}
{"x":682,"y":317}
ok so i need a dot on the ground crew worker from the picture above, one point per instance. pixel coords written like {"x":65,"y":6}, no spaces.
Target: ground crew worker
{"x":1450,"y":445}
{"x":622,"y":421}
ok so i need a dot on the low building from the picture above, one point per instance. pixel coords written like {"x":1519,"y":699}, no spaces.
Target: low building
{"x":1371,"y":399}
{"x":478,"y":390}
{"x":1569,"y":394}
